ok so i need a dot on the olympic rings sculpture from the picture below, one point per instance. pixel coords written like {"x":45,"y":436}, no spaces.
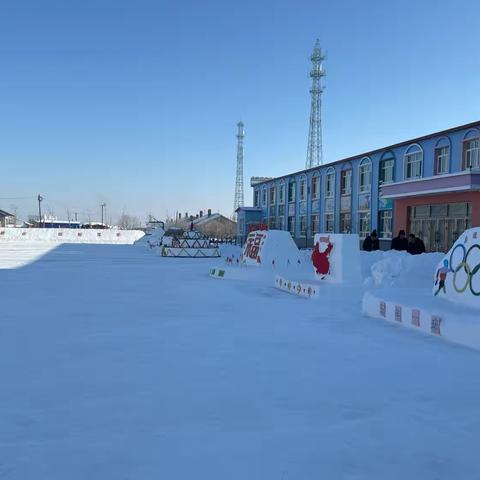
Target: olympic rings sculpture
{"x":470,"y":271}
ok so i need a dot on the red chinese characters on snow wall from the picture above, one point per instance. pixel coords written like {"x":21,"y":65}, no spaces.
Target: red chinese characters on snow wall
{"x":253,"y":246}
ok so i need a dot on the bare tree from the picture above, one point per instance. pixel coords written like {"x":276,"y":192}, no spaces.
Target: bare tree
{"x":128,"y":222}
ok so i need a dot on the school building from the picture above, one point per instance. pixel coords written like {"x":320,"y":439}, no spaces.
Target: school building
{"x":429,"y":186}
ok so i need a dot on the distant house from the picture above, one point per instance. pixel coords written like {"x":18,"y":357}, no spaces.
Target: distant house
{"x":7,"y":219}
{"x":213,"y":225}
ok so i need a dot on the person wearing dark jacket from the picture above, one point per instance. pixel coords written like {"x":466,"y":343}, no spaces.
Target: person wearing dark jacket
{"x":415,"y":245}
{"x":371,"y":242}
{"x":400,"y":243}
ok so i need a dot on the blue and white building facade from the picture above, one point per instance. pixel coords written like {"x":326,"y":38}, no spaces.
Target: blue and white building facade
{"x":359,"y":193}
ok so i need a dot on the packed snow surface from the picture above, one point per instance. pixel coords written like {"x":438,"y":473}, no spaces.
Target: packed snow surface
{"x":119,"y":364}
{"x":400,"y":269}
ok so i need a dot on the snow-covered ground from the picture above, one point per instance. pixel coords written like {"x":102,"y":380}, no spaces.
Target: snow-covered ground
{"x":116,"y":363}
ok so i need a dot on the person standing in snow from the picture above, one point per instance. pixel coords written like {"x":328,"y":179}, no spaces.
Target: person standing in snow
{"x":415,"y":245}
{"x":400,"y":243}
{"x":371,"y":242}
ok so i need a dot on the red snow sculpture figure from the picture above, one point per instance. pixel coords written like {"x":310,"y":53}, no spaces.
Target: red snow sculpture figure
{"x":320,"y":259}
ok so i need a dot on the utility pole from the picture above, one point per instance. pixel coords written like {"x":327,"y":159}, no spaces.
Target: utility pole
{"x":103,"y":205}
{"x":39,"y":198}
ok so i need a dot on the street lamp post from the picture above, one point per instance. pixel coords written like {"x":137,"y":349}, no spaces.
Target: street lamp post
{"x":39,"y":198}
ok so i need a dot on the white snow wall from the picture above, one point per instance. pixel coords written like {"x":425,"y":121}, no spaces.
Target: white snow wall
{"x":344,"y":257}
{"x":69,"y":235}
{"x":270,"y":247}
{"x":461,"y":269}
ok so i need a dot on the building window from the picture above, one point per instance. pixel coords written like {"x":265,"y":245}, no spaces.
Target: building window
{"x":280,"y":223}
{"x":346,"y":182}
{"x":471,"y":153}
{"x":365,"y":175}
{"x":271,"y":223}
{"x":345,"y":223}
{"x":329,"y":224}
{"x":413,"y":162}
{"x":272,"y":195}
{"x":291,"y":192}
{"x":385,"y":224}
{"x":330,"y":183}
{"x":291,"y":225}
{"x":442,"y":157}
{"x":303,"y":189}
{"x":281,"y":193}
{"x":303,"y":226}
{"x":363,"y":224}
{"x":315,"y":224}
{"x":315,"y":187}
{"x":387,"y":166}
{"x":264,"y":197}
{"x":256,"y":197}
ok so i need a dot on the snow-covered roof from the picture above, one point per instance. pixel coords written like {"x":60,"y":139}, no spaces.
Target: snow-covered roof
{"x":3,"y":213}
{"x":206,"y":218}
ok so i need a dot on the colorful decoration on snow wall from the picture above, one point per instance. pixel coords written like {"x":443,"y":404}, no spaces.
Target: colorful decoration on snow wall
{"x":320,"y":259}
{"x":273,"y":248}
{"x":457,"y":276}
{"x":253,"y":245}
{"x":336,"y":257}
{"x":300,"y":289}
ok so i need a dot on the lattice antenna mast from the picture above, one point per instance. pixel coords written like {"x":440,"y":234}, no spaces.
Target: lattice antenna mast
{"x":315,"y":149}
{"x":238,"y":202}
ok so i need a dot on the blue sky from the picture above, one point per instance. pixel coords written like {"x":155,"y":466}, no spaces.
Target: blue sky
{"x":135,"y":103}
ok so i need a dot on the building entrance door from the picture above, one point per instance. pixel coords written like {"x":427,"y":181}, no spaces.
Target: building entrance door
{"x":440,"y":225}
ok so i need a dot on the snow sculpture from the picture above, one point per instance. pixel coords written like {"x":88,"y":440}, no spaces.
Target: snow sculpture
{"x":270,"y":247}
{"x":336,"y":258}
{"x":457,"y":276}
{"x":191,"y":244}
{"x":152,"y":239}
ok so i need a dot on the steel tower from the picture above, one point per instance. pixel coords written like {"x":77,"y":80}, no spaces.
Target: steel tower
{"x":238,"y":202}
{"x":314,"y":149}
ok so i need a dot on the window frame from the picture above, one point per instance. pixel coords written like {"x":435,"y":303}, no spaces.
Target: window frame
{"x":292,"y":186}
{"x":364,"y":188}
{"x":281,"y":193}
{"x":302,"y":185}
{"x":386,"y":157}
{"x":343,"y":215}
{"x":302,"y":232}
{"x":464,"y":150}
{"x":381,"y":231}
{"x":343,"y":175}
{"x":270,"y":196}
{"x":328,"y":215}
{"x":410,"y":152}
{"x":437,"y":156}
{"x":330,"y":172}
{"x":360,"y":215}
{"x":256,"y":198}
{"x":291,"y":225}
{"x":315,"y":218}
{"x":316,"y":179}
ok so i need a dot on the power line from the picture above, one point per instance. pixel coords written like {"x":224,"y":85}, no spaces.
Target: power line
{"x":17,"y":198}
